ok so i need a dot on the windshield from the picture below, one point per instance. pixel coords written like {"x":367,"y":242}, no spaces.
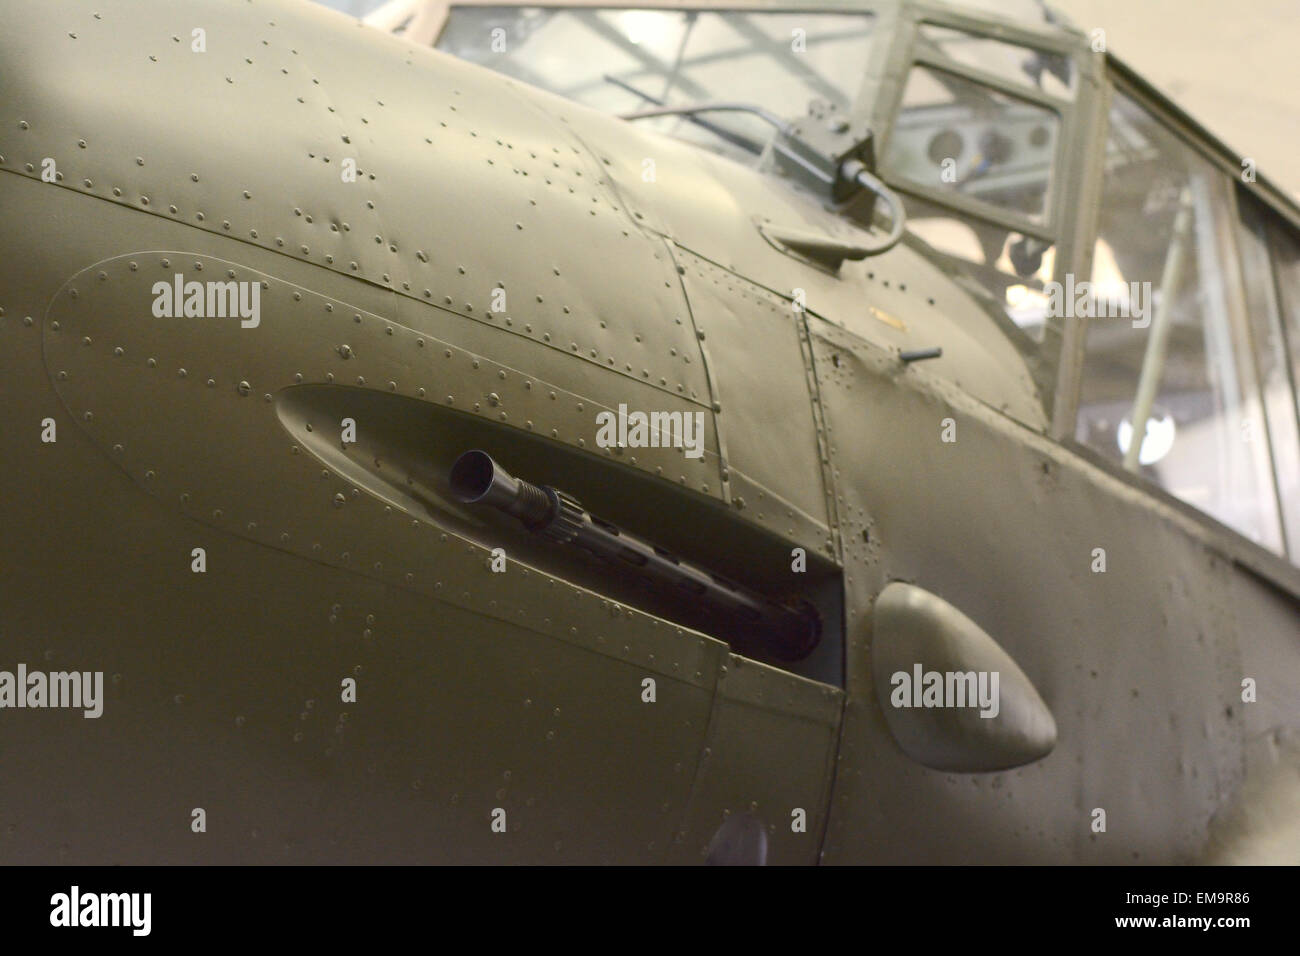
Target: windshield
{"x":624,"y":60}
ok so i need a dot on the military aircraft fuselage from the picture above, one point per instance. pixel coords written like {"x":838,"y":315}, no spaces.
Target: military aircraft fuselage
{"x":266,"y":274}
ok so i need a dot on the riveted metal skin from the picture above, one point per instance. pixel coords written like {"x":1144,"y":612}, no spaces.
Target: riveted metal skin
{"x":494,"y":276}
{"x":770,"y":435}
{"x":494,"y":211}
{"x":1141,"y":666}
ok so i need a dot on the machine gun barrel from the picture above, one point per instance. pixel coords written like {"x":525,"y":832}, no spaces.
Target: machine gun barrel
{"x":789,"y":632}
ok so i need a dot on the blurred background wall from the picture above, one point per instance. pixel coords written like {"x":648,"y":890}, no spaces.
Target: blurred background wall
{"x":1233,"y":66}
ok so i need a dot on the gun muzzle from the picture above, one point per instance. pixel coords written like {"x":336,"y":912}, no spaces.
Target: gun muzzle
{"x":477,"y":479}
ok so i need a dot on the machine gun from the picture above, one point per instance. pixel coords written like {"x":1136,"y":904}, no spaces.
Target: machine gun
{"x":786,"y":630}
